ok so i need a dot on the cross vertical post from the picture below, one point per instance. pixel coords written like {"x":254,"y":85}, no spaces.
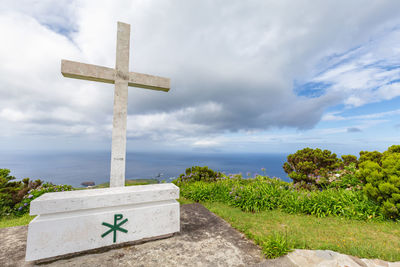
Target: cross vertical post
{"x":118,"y":146}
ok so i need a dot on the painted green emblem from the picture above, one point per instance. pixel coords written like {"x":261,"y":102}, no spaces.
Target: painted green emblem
{"x":116,"y":227}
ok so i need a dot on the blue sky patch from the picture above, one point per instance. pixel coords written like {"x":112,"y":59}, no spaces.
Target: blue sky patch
{"x":311,"y":89}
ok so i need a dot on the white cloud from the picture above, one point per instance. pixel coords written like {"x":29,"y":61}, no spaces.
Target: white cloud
{"x":232,"y":65}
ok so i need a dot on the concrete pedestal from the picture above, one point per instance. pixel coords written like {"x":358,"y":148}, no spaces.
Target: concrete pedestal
{"x":75,"y":221}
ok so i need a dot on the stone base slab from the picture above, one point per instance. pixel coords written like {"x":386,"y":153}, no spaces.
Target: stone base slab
{"x":55,"y":234}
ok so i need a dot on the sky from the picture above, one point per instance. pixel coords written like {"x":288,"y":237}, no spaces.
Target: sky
{"x":246,"y":76}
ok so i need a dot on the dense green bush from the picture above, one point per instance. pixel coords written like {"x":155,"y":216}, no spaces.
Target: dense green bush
{"x":310,"y":168}
{"x":374,"y":156}
{"x":349,"y":159}
{"x":23,"y":206}
{"x":346,"y":179}
{"x":382,"y":177}
{"x":197,"y":173}
{"x":263,"y":193}
{"x":12,"y":192}
{"x":15,"y":196}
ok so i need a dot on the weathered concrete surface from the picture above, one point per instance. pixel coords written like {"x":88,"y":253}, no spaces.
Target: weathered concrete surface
{"x":81,"y":220}
{"x":204,"y":240}
{"x":331,"y":258}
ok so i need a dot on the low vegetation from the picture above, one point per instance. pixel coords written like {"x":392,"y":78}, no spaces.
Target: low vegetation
{"x":364,"y":191}
{"x":278,"y":232}
{"x":348,"y":204}
{"x":129,"y":183}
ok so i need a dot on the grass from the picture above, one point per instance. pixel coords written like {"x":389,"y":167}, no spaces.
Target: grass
{"x":11,"y":221}
{"x":348,"y":236}
{"x":129,"y":183}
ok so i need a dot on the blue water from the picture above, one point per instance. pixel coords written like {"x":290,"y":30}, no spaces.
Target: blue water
{"x":75,"y":168}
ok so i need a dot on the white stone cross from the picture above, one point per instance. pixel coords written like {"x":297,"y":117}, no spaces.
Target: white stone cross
{"x":122,"y":78}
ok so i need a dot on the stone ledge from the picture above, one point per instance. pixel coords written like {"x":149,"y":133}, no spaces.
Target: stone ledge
{"x":68,"y":201}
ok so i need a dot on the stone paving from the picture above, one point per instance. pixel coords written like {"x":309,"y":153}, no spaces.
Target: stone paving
{"x":204,"y":240}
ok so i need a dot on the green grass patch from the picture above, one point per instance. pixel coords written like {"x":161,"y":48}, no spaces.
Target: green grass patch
{"x":183,"y":200}
{"x":277,"y":232}
{"x":129,"y":183}
{"x":10,"y":221}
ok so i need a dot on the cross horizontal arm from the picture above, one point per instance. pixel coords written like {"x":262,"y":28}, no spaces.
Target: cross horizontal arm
{"x":148,"y":81}
{"x":77,"y":70}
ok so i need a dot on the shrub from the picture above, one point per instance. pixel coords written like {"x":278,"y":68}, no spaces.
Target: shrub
{"x":12,"y":192}
{"x":382,"y":179}
{"x":197,"y":173}
{"x":23,"y":206}
{"x":263,"y":193}
{"x":346,"y":179}
{"x":276,"y":245}
{"x":349,"y":159}
{"x":310,"y":167}
{"x":373,"y":156}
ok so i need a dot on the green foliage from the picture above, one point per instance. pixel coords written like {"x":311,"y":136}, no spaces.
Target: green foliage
{"x":15,"y":196}
{"x":23,"y":206}
{"x":12,"y":192}
{"x":309,"y":168}
{"x":197,"y":173}
{"x":276,"y":245}
{"x":349,"y":159}
{"x":346,"y":179}
{"x":382,"y":179}
{"x":263,"y":193}
{"x":374,"y":156}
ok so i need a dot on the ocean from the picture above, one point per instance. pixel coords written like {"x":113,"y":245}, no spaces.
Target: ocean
{"x":76,"y":167}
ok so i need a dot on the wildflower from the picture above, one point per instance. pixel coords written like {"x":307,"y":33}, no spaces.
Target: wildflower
{"x":30,"y":196}
{"x":20,"y":208}
{"x":25,"y":204}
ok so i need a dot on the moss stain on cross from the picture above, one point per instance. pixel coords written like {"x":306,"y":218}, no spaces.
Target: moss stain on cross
{"x":116,"y":227}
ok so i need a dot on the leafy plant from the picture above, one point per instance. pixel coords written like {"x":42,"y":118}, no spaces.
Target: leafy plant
{"x":12,"y":192}
{"x":197,"y":173}
{"x":263,"y":193}
{"x":309,"y":168}
{"x":383,"y":180}
{"x":374,"y":156}
{"x":346,"y":179}
{"x":23,"y":206}
{"x":276,"y":245}
{"x":349,"y":159}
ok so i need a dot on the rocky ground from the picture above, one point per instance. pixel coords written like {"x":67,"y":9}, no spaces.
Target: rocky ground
{"x":204,"y":240}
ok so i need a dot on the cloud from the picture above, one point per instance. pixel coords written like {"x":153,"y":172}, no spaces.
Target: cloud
{"x":367,"y":74}
{"x":232,"y":65}
{"x":353,"y":130}
{"x":332,"y":116}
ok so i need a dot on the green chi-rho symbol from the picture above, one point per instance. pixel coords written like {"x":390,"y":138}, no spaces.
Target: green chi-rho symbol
{"x":116,"y":227}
